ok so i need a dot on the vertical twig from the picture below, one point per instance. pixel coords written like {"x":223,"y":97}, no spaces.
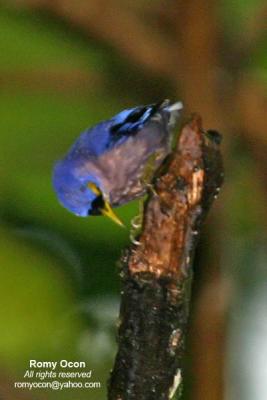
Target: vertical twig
{"x":156,"y":275}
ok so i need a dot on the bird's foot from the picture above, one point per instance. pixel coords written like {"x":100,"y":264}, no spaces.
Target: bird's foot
{"x":150,"y":188}
{"x":133,"y":240}
{"x":136,"y":222}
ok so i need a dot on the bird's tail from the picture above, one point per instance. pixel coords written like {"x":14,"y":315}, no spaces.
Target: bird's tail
{"x":173,"y":110}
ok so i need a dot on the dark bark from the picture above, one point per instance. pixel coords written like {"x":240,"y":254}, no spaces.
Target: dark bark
{"x":157,"y":273}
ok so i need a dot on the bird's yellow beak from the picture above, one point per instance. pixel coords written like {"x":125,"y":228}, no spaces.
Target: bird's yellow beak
{"x":108,"y":212}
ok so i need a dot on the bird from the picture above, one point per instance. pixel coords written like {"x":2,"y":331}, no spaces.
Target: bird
{"x":107,"y":166}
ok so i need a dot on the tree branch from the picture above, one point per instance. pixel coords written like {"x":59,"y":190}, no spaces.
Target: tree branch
{"x":199,"y":76}
{"x":117,"y":26}
{"x":156,"y":274}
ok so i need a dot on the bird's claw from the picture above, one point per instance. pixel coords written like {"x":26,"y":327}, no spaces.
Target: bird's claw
{"x":133,"y":240}
{"x":152,"y":189}
{"x":136,"y":222}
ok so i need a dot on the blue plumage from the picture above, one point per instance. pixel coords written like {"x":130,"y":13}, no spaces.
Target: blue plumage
{"x":105,"y":166}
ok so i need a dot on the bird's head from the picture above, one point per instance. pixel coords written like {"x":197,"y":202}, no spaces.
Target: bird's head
{"x":81,"y":195}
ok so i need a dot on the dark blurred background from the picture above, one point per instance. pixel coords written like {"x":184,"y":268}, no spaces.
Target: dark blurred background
{"x":65,"y":65}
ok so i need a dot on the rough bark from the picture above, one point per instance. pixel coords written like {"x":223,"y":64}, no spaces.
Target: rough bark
{"x":157,"y":273}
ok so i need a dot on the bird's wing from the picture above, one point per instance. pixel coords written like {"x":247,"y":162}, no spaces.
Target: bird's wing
{"x":131,"y":121}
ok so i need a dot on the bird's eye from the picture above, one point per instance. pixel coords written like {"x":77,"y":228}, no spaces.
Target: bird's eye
{"x":96,"y":206}
{"x":94,"y":188}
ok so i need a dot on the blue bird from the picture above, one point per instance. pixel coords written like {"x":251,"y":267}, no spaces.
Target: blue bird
{"x":107,"y":165}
